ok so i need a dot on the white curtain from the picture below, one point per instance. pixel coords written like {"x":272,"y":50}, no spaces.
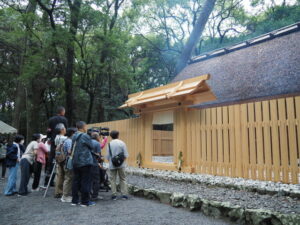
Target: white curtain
{"x":161,"y":118}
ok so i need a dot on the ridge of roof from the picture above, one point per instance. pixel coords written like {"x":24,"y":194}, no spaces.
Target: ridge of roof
{"x":248,"y":43}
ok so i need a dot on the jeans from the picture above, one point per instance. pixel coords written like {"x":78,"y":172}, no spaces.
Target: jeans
{"x":113,"y":180}
{"x":12,"y":180}
{"x":82,"y":180}
{"x":25,"y":176}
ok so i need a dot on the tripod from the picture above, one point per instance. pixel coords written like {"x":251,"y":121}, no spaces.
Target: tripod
{"x":52,"y":173}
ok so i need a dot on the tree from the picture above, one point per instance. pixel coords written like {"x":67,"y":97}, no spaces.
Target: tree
{"x":195,"y":35}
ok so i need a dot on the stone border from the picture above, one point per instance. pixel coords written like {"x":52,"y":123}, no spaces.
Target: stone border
{"x":217,"y":209}
{"x":261,"y":187}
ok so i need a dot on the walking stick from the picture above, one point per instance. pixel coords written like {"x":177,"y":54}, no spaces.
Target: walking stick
{"x":54,"y":166}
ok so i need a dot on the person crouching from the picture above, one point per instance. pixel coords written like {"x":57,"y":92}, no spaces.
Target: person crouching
{"x":26,"y":163}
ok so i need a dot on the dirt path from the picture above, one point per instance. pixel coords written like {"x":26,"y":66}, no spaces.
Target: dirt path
{"x":33,"y":209}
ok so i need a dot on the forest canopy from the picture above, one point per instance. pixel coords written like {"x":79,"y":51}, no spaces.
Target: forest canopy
{"x":88,"y":55}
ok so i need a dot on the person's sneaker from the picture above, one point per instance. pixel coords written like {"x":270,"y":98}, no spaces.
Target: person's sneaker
{"x":66,"y":199}
{"x":124,"y":197}
{"x":22,"y":195}
{"x":35,"y":190}
{"x":90,"y":203}
{"x":74,"y":204}
{"x":43,"y":187}
{"x":114,"y":197}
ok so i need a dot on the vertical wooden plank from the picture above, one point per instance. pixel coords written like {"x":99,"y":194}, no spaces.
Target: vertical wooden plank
{"x":252,"y":141}
{"x":297,"y":106}
{"x":245,"y":144}
{"x":267,"y":140}
{"x":292,"y":139}
{"x":283,"y":139}
{"x":220,"y":160}
{"x":194,"y":140}
{"x":238,"y":129}
{"x":226,"y":139}
{"x":275,"y":140}
{"x":259,"y":141}
{"x":188,"y":139}
{"x":209,"y":140}
{"x":214,"y":140}
{"x":203,"y":140}
{"x":148,"y":138}
{"x":198,"y":141}
{"x":231,"y":131}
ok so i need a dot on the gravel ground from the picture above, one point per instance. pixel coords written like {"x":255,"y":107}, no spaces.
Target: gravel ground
{"x":33,"y":209}
{"x":251,"y":200}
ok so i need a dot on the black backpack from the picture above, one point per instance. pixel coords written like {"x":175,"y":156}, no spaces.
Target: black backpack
{"x":117,"y":160}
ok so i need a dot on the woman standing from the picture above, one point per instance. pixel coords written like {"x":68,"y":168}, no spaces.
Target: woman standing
{"x":38,"y":164}
{"x":27,"y":162}
{"x":13,"y":157}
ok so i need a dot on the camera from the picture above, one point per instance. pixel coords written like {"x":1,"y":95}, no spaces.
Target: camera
{"x":104,"y":131}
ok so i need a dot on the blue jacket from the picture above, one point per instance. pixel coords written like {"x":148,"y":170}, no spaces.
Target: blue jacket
{"x":11,"y":155}
{"x":82,"y":152}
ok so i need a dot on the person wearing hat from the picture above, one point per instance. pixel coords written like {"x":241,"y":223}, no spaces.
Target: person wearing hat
{"x":39,"y":162}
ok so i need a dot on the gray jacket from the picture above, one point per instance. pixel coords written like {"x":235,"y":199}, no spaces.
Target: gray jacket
{"x":82,"y":152}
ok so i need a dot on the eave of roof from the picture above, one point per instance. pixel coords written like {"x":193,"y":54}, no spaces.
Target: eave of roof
{"x":250,"y":42}
{"x":174,"y":95}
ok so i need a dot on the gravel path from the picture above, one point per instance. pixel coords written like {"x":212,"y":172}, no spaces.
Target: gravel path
{"x":33,"y":209}
{"x":245,"y":199}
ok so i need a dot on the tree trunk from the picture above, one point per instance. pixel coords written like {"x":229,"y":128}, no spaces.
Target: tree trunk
{"x":19,"y":100}
{"x":195,"y":35}
{"x":91,"y":104}
{"x":74,"y":10}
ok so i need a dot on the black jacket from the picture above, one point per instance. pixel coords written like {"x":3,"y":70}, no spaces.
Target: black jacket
{"x":11,"y":155}
{"x":82,"y":152}
{"x":53,"y":121}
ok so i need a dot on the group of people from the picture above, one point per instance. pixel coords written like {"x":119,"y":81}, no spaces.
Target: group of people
{"x":72,"y":156}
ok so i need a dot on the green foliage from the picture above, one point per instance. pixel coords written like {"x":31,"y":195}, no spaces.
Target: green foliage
{"x":117,"y":52}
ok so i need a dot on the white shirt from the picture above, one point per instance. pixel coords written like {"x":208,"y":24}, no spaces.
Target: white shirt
{"x":19,"y":151}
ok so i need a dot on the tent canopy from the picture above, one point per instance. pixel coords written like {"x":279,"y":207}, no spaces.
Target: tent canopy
{"x":6,"y":129}
{"x":175,"y":95}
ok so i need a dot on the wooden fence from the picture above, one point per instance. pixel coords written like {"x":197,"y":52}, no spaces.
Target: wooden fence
{"x":259,"y":140}
{"x":162,"y":143}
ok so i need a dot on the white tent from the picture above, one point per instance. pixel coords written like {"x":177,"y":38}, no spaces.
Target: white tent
{"x":6,"y":129}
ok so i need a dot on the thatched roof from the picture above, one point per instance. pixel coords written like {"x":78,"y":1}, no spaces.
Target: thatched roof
{"x":6,"y":129}
{"x":268,"y":67}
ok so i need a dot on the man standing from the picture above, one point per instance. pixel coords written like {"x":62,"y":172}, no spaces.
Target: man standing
{"x":52,"y":132}
{"x":115,"y":147}
{"x":82,"y":166}
{"x":95,"y":167}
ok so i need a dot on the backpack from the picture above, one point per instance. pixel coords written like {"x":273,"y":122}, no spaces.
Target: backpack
{"x":60,"y":155}
{"x":117,"y":160}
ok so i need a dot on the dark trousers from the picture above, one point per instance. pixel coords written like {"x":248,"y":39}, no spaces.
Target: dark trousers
{"x":95,"y":181}
{"x":3,"y":167}
{"x":37,"y":169}
{"x":50,"y":165}
{"x":82,"y":180}
{"x":25,"y":176}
